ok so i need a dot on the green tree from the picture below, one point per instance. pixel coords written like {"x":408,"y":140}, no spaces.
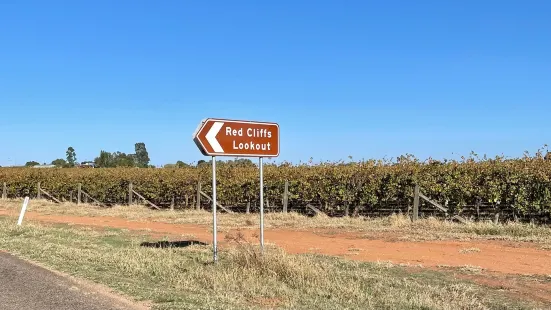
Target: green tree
{"x":141,"y":155}
{"x":31,"y":163}
{"x":123,"y":160}
{"x":115,"y":159}
{"x":71,"y":156}
{"x":60,"y":162}
{"x":178,"y":164}
{"x":104,"y":160}
{"x":181,"y":164}
{"x":241,"y":162}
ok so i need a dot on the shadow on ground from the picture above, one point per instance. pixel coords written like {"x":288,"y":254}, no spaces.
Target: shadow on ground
{"x":171,"y":244}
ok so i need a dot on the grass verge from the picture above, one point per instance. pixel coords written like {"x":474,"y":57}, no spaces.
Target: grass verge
{"x":399,"y":226}
{"x":183,"y":277}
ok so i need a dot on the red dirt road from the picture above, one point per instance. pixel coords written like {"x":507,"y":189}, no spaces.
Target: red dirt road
{"x":493,"y":256}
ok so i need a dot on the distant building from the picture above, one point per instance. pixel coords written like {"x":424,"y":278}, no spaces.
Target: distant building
{"x":87,"y":165}
{"x":44,"y":166}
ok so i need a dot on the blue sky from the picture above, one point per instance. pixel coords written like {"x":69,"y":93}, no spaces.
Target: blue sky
{"x":367,"y":79}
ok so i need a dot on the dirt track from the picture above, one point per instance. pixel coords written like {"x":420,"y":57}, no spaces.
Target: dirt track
{"x":496,"y":256}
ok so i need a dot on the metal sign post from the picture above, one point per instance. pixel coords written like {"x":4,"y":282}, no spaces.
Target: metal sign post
{"x":261,"y":205}
{"x":214,"y":230}
{"x":223,"y":137}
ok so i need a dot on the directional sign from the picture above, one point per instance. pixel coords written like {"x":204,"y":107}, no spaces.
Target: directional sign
{"x":222,"y":137}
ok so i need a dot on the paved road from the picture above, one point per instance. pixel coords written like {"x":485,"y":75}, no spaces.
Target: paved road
{"x":24,"y":286}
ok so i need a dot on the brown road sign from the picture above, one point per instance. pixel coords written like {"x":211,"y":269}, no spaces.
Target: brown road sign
{"x":222,"y":137}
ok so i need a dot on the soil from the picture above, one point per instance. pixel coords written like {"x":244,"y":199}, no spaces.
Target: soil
{"x":491,"y":255}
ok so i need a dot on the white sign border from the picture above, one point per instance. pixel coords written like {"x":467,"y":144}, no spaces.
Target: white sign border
{"x":204,"y":151}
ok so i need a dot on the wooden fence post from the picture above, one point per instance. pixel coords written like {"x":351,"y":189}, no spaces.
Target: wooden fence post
{"x":79,"y":193}
{"x":187,"y":198}
{"x":248,"y":207}
{"x":416,"y":204}
{"x":172,"y":204}
{"x":5,"y":191}
{"x":497,"y":214}
{"x":198,"y":195}
{"x":356,"y":211}
{"x":346,"y":209}
{"x":478,"y":202}
{"x":39,"y":194}
{"x":130,"y":190}
{"x":286,"y":197}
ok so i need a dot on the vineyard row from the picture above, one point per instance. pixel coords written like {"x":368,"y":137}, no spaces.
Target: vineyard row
{"x":523,"y":184}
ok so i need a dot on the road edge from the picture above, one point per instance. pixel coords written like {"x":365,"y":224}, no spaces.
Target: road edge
{"x":119,"y":299}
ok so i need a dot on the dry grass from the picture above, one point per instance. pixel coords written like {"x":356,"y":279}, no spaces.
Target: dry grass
{"x":471,"y":269}
{"x":434,"y":229}
{"x":244,"y":278}
{"x":469,"y":250}
{"x":191,"y":216}
{"x":397,"y":225}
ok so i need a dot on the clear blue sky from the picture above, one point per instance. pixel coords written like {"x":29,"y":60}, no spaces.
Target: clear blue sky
{"x":369,"y":79}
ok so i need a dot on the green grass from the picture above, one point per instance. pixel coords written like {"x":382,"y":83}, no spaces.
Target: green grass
{"x":185,"y":278}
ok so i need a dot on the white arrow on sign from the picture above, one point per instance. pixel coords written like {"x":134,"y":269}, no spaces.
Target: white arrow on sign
{"x":211,"y":137}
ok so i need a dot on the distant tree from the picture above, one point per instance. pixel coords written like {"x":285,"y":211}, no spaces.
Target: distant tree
{"x":222,"y":163}
{"x":104,"y":160}
{"x":548,"y":156}
{"x":60,"y":162}
{"x":181,"y":164}
{"x":31,"y":163}
{"x":241,"y":162}
{"x":71,"y":156}
{"x":178,"y":164}
{"x":141,"y":155}
{"x":123,"y":160}
{"x":115,"y":159}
